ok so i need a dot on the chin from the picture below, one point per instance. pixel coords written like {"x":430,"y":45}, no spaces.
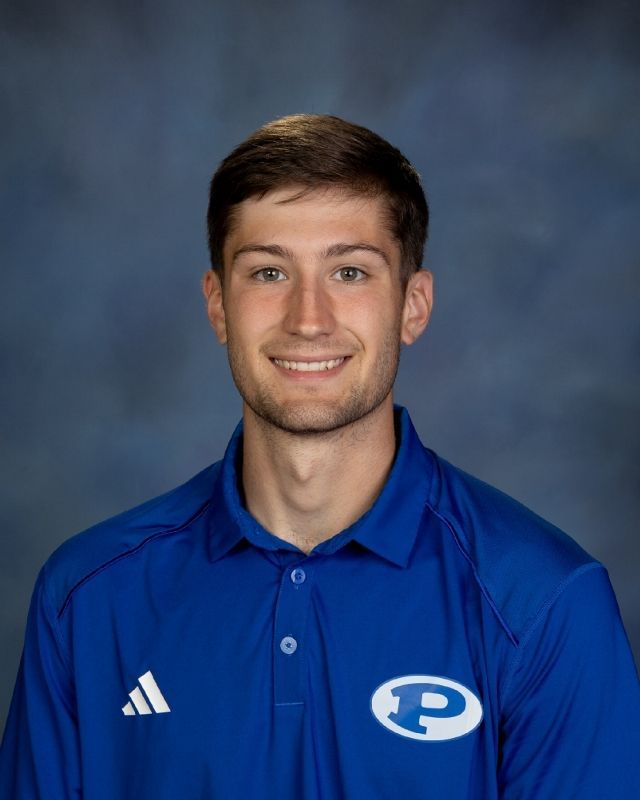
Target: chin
{"x":308,"y":418}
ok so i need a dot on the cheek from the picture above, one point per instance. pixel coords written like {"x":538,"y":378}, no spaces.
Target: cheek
{"x":248,"y":321}
{"x":372,"y":317}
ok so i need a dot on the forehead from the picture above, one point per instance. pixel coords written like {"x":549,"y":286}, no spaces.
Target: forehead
{"x":308,"y":219}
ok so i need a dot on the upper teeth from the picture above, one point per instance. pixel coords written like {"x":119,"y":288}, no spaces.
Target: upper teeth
{"x":309,"y":366}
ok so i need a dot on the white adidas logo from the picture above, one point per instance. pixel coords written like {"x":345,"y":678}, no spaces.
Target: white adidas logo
{"x":153,"y":695}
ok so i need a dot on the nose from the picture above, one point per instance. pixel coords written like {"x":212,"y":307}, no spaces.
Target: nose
{"x":309,"y":311}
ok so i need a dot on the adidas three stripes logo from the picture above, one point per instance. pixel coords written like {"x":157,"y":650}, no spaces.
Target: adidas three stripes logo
{"x":152,"y":699}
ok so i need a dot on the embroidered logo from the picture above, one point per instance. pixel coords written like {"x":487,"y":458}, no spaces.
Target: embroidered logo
{"x":152,"y":699}
{"x":426,"y":708}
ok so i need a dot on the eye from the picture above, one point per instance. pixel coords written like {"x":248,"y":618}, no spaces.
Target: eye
{"x":269,"y":275}
{"x":350,"y":274}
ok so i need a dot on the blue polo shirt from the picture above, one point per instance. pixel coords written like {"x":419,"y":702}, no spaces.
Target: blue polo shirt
{"x":449,"y":644}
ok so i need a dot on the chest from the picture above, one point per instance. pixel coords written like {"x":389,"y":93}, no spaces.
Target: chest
{"x":302,"y":678}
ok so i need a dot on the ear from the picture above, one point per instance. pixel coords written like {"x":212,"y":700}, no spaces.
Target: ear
{"x":212,"y":290}
{"x":418,"y":302}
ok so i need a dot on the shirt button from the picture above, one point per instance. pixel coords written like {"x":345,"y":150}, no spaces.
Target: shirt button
{"x":288,"y":645}
{"x":298,"y":576}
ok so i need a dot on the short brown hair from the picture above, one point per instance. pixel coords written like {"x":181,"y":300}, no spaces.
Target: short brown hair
{"x":320,"y":151}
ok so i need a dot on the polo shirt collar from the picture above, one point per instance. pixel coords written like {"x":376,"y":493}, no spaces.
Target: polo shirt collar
{"x":389,"y":528}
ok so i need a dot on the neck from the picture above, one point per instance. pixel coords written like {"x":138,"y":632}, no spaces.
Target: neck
{"x":307,"y":488}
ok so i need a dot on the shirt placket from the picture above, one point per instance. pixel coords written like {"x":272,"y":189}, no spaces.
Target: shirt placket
{"x":289,"y":642}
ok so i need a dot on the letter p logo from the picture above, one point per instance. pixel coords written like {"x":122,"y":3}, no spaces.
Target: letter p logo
{"x":426,"y":707}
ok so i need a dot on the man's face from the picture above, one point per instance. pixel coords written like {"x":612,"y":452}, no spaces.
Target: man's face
{"x":312,"y":309}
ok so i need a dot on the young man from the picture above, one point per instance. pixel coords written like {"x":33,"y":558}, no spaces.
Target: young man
{"x":332,"y":611}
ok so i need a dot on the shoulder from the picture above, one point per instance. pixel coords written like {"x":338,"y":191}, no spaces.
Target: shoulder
{"x":521,"y":562}
{"x":95,"y":549}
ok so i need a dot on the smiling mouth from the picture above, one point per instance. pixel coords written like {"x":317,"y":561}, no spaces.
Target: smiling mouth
{"x":309,"y":366}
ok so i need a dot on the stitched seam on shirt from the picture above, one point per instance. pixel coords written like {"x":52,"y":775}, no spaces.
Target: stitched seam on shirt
{"x":483,"y":588}
{"x":56,"y":628}
{"x":426,"y":506}
{"x":126,"y":554}
{"x":541,"y":614}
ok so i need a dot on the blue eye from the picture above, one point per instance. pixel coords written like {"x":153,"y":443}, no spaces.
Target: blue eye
{"x":269,"y":275}
{"x":350,"y":274}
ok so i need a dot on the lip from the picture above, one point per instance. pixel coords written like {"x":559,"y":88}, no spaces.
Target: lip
{"x":294,"y":374}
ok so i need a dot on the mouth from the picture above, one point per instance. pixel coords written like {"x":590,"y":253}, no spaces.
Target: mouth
{"x":310,"y":366}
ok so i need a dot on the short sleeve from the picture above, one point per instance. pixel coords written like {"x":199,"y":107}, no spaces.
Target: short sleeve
{"x":39,"y":757}
{"x":571,"y":704}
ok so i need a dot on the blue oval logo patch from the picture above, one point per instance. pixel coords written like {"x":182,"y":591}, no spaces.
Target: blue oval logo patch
{"x":426,"y":707}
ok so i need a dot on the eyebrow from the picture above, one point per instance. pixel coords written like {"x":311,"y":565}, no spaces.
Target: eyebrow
{"x":267,"y":249}
{"x":333,"y":251}
{"x":346,"y":249}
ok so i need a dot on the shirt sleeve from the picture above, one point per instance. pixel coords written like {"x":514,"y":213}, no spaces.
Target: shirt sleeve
{"x":39,"y":757}
{"x":571,"y":706}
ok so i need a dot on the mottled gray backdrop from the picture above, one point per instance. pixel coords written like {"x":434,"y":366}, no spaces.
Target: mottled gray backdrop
{"x":522,"y":117}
